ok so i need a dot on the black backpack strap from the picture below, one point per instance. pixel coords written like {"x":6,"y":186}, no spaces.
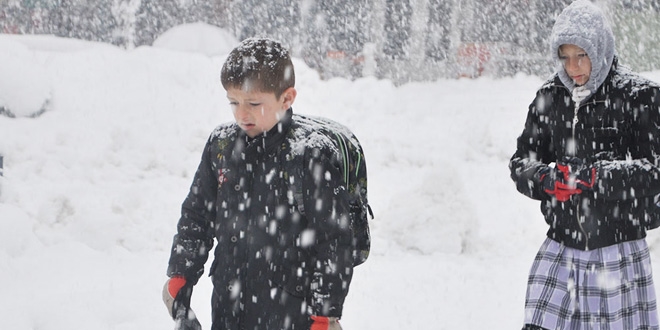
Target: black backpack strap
{"x":293,"y":165}
{"x":345,"y":157}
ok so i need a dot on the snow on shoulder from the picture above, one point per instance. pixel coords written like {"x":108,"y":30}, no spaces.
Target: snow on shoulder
{"x":316,"y":132}
{"x":197,"y":38}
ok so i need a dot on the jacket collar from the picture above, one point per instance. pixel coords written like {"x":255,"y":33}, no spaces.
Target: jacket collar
{"x":266,"y":141}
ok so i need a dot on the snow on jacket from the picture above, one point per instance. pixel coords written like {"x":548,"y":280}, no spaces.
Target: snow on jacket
{"x":617,"y":130}
{"x":240,"y":196}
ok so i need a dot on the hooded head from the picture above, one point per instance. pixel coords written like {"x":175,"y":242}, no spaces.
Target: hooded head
{"x":584,"y":25}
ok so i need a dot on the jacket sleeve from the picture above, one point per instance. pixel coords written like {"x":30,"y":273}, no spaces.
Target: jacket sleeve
{"x":533,"y":151}
{"x":194,"y":237}
{"x":327,"y":216}
{"x":638,"y":176}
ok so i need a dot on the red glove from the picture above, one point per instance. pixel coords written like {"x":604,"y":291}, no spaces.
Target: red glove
{"x":171,"y":290}
{"x":554,"y":183}
{"x":562,"y":191}
{"x":176,"y":295}
{"x":569,"y":177}
{"x":578,"y":174}
{"x":325,"y":323}
{"x":175,"y":284}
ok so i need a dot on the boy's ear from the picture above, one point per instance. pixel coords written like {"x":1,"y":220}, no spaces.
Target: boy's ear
{"x":288,"y":96}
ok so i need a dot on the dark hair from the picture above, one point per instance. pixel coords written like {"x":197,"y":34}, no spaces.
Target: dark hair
{"x":259,"y":64}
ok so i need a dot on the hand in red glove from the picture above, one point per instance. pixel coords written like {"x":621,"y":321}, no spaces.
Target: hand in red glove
{"x":569,"y":177}
{"x":325,"y":323}
{"x":563,"y":192}
{"x":578,"y":174}
{"x":554,"y":183}
{"x":176,"y":295}
{"x":170,"y":292}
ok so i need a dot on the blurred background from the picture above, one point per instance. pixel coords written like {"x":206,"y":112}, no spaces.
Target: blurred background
{"x":401,"y":40}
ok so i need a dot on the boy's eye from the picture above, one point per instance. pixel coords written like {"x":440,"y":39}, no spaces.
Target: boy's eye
{"x":565,"y":57}
{"x":255,"y":104}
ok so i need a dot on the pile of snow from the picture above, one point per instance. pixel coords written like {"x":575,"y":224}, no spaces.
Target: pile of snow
{"x":24,"y":87}
{"x":92,"y":190}
{"x":197,"y":38}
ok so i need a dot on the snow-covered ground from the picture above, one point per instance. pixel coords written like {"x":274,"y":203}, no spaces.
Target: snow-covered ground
{"x":92,"y":188}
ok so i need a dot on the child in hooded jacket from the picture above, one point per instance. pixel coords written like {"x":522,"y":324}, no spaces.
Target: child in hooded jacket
{"x":590,"y":153}
{"x":275,"y":266}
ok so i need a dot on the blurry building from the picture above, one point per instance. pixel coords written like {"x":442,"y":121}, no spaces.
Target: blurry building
{"x":402,"y":40}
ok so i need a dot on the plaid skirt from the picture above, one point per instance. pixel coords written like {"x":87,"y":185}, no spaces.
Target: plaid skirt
{"x":610,"y":288}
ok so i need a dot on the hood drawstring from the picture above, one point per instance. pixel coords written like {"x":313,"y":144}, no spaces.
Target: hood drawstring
{"x":579,"y":94}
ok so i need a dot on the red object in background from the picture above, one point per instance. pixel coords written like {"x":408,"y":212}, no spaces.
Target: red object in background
{"x":472,"y":57}
{"x":336,"y":54}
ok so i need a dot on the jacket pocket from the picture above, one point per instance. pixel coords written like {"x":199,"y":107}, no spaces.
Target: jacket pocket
{"x":291,"y":274}
{"x":298,"y":286}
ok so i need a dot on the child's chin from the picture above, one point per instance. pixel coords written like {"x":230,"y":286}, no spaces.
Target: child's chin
{"x":251,"y":132}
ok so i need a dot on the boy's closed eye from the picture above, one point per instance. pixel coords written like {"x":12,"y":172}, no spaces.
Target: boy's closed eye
{"x":252,"y":104}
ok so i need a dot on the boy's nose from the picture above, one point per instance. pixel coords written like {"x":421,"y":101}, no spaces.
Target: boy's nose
{"x":573,"y":63}
{"x":240,"y":111}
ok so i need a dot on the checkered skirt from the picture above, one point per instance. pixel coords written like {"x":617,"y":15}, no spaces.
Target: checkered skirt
{"x":610,"y":288}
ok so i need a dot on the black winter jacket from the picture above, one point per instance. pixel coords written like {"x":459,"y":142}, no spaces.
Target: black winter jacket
{"x":269,"y":258}
{"x":617,"y":130}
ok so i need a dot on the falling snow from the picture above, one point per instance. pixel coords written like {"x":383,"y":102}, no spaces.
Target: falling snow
{"x":92,"y":188}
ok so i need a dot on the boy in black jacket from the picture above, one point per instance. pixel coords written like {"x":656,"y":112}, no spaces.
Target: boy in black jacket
{"x":278,"y":265}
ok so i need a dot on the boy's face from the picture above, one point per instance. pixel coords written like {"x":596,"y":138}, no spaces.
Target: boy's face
{"x":576,"y":63}
{"x":257,"y":112}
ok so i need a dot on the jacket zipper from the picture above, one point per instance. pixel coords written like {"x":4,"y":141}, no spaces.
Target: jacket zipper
{"x":575,"y":119}
{"x":584,"y":232}
{"x":577,"y":208}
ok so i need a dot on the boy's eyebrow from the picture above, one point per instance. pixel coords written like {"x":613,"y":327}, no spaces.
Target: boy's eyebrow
{"x":247,"y":99}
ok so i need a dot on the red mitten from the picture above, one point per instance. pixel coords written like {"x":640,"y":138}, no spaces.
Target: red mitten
{"x":554,"y":183}
{"x":579,"y":174}
{"x":171,"y":289}
{"x":175,"y":284}
{"x":325,"y":323}
{"x":563,"y":192}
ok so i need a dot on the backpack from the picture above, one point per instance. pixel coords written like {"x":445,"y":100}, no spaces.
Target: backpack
{"x":354,"y":171}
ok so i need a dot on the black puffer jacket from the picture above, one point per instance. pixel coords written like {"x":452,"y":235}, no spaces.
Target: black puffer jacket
{"x":269,"y":258}
{"x":617,"y":130}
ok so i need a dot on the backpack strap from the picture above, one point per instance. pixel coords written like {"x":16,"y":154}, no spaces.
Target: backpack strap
{"x":346,"y":158}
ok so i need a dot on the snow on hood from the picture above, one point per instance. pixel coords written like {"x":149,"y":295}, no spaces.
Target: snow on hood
{"x":584,"y":25}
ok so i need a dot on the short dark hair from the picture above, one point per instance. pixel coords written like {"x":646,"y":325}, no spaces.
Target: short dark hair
{"x":259,"y":64}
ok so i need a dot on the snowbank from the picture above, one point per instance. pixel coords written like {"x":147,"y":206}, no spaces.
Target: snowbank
{"x":197,"y":38}
{"x":92,"y":189}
